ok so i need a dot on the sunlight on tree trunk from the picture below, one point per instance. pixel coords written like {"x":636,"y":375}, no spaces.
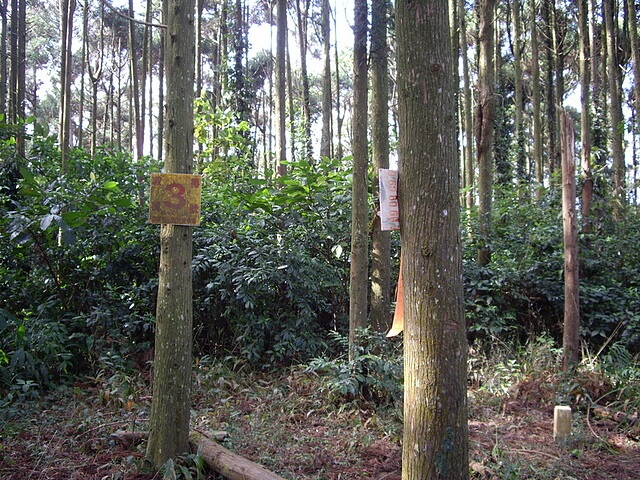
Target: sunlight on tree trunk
{"x":169,"y":422}
{"x":435,"y":442}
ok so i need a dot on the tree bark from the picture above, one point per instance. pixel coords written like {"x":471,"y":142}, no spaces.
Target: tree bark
{"x":469,"y":171}
{"x":302,"y":11}
{"x":381,"y":243}
{"x":485,"y":128}
{"x":281,"y":110}
{"x":615,"y":108}
{"x":536,"y":101}
{"x":169,"y":422}
{"x":4,"y":77}
{"x":585,"y":115}
{"x":571,"y":333}
{"x":325,"y":140}
{"x":550,"y":98}
{"x":135,"y":85}
{"x":435,"y":442}
{"x":521,"y":158}
{"x":67,"y":9}
{"x":359,"y":272}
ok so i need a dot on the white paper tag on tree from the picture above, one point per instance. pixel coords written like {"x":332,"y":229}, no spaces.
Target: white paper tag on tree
{"x":389,"y":207}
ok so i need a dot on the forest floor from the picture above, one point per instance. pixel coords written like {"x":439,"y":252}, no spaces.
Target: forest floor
{"x":290,"y":424}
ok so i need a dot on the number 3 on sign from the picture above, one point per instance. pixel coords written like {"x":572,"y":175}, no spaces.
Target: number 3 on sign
{"x":175,"y":198}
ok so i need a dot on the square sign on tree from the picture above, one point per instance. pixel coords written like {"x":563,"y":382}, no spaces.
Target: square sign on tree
{"x":175,"y":198}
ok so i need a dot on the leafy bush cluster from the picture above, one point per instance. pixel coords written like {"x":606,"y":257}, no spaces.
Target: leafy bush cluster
{"x":78,"y":264}
{"x":521,"y":293}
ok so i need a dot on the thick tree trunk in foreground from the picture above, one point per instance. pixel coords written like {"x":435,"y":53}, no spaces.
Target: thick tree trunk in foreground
{"x":169,"y":423}
{"x":435,"y":442}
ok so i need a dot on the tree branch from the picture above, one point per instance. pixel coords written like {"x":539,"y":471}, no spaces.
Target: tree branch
{"x":127,"y":17}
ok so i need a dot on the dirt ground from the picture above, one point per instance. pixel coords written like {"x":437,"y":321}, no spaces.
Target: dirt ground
{"x":288,"y":424}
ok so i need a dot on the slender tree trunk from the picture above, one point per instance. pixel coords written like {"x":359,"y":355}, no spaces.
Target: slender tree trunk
{"x":615,"y":107}
{"x":550,"y":100}
{"x":281,"y":110}
{"x":469,"y":170}
{"x":485,"y":128}
{"x":17,"y":57}
{"x":521,"y":157}
{"x":302,"y":11}
{"x":67,"y":9}
{"x":381,"y":244}
{"x":4,"y":72}
{"x":571,"y":335}
{"x":339,"y":114}
{"x":161,"y":81}
{"x":136,"y":93}
{"x":325,"y":140}
{"x":435,"y":441}
{"x":635,"y":54}
{"x":293,"y":118}
{"x":536,"y":101}
{"x":239,"y":76}
{"x":359,"y":273}
{"x":585,"y":115}
{"x":169,"y":422}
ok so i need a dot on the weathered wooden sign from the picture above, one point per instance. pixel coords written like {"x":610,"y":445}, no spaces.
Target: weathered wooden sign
{"x":175,"y":198}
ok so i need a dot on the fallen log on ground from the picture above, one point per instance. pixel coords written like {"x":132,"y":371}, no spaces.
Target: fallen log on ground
{"x":227,"y":463}
{"x":223,"y":461}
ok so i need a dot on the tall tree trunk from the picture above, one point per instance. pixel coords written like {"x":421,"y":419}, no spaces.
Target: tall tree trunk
{"x":615,"y":106}
{"x":359,"y":273}
{"x":4,"y":72}
{"x":169,"y":422}
{"x":161,"y":81}
{"x":136,"y":93}
{"x":95,"y":73}
{"x":83,"y":71}
{"x":302,"y":11}
{"x":469,"y":171}
{"x":536,"y":101}
{"x":339,"y":114}
{"x":435,"y":442}
{"x":293,"y":119}
{"x":571,"y":335}
{"x":381,"y":244}
{"x":485,"y":128}
{"x":67,"y":9}
{"x":18,"y":65}
{"x":635,"y":54}
{"x":238,"y":69}
{"x":550,"y":99}
{"x":521,"y":157}
{"x":325,"y":139}
{"x":585,"y":115}
{"x":281,"y":110}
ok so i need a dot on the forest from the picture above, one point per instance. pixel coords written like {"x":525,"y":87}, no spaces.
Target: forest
{"x":526,"y":222}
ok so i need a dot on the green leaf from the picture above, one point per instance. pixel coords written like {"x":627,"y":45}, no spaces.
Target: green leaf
{"x":75,"y":219}
{"x":111,"y":186}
